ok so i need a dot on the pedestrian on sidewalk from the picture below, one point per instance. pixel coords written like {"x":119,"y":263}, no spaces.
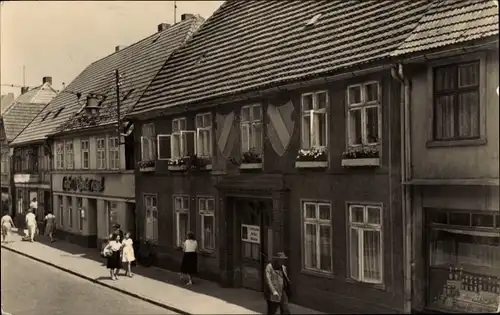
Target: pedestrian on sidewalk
{"x":112,"y":252}
{"x":31,"y":224}
{"x":50,"y":223}
{"x":277,"y":285}
{"x":189,"y":265}
{"x":128,"y":255}
{"x":7,"y":225}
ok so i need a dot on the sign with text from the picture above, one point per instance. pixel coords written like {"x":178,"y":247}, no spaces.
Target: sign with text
{"x":250,"y":233}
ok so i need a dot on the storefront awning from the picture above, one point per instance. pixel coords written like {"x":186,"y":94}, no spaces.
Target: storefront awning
{"x":252,"y":182}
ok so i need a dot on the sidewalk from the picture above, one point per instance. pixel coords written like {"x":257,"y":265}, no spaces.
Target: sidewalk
{"x":155,"y":285}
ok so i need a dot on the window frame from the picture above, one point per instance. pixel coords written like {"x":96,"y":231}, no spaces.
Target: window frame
{"x":84,"y":152}
{"x":150,"y":139}
{"x":484,"y":96}
{"x":362,"y":106}
{"x":177,"y":237}
{"x":361,"y":227}
{"x":114,"y":153}
{"x":69,"y":155}
{"x":60,"y":155}
{"x":101,"y":150}
{"x":310,"y":113}
{"x":317,"y":222}
{"x":203,"y":214}
{"x":199,"y":129}
{"x":69,"y":209}
{"x":251,"y":123}
{"x":61,"y":210}
{"x":145,"y":197}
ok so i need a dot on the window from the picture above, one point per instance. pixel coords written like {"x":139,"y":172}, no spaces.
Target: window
{"x":151,"y":217}
{"x":68,"y":150}
{"x":317,"y":236}
{"x":314,"y":121}
{"x":364,"y":114}
{"x":85,"y":154}
{"x":251,"y":128}
{"x":61,"y":210}
{"x":112,"y":213}
{"x":114,"y":153}
{"x":456,"y":102}
{"x":101,"y":153}
{"x":79,"y":209}
{"x":183,"y":140}
{"x":204,"y":135}
{"x":365,"y":237}
{"x":60,"y":154}
{"x":69,"y":202}
{"x":206,"y":208}
{"x":148,"y":142}
{"x":181,"y":207}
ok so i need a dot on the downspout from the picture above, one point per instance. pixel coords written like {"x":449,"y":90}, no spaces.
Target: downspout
{"x":398,"y":74}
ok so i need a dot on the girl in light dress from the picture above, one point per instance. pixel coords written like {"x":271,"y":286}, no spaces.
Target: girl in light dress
{"x":7,"y":225}
{"x":50,"y":224}
{"x":128,"y":255}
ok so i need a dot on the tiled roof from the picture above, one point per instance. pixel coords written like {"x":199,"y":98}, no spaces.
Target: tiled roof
{"x":25,"y":108}
{"x":137,"y":63}
{"x":5,"y":101}
{"x":250,"y":44}
{"x":451,"y":22}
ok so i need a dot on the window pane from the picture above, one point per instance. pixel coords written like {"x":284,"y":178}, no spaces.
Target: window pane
{"x":153,"y":201}
{"x":355,"y":127}
{"x":371,"y":92}
{"x":306,"y":132}
{"x":182,"y":124}
{"x":176,"y":146}
{"x":444,"y":117}
{"x":245,"y":138}
{"x":445,"y":78}
{"x":256,"y":113}
{"x":372,"y":124}
{"x":310,"y":257}
{"x":325,"y":248}
{"x":319,"y":125}
{"x":468,"y":115}
{"x":245,"y":114}
{"x":202,"y":204}
{"x":468,"y":75}
{"x":206,"y":142}
{"x":354,"y":254}
{"x":310,"y":210}
{"x":324,"y":212}
{"x":183,"y":225}
{"x":257,"y":137}
{"x":178,"y":203}
{"x":208,"y":232}
{"x":458,"y":218}
{"x":484,"y":220}
{"x":357,"y":214}
{"x":185,"y":203}
{"x":321,"y":101}
{"x":374,"y":215}
{"x":210,"y":204}
{"x":371,"y":255}
{"x":199,"y":121}
{"x":307,"y":102}
{"x":354,"y":95}
{"x":207,"y":120}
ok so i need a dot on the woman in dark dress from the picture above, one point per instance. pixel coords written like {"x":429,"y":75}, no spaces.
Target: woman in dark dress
{"x":189,"y":265}
{"x":112,"y":252}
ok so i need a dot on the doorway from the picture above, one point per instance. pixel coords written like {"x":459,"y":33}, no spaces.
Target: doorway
{"x":253,"y":225}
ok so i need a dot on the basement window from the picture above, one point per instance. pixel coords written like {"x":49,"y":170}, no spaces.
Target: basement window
{"x":313,"y":20}
{"x":58,"y":112}
{"x":46,"y":115}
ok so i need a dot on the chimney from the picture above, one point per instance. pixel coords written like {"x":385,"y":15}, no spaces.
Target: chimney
{"x":119,"y":47}
{"x":47,"y":80}
{"x":163,"y":26}
{"x":24,"y":89}
{"x":187,"y":16}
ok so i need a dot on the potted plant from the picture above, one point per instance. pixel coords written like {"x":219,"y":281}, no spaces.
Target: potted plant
{"x":251,"y":160}
{"x":361,"y":156}
{"x":146,"y":166}
{"x":314,"y":157}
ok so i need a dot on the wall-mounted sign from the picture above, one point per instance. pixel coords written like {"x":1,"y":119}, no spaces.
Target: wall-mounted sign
{"x":78,"y":183}
{"x":250,"y":233}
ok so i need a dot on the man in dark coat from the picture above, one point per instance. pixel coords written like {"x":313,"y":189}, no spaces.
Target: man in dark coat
{"x":118,"y":231}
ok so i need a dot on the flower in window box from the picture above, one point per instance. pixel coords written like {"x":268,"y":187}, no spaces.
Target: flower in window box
{"x":363,"y":152}
{"x":312,"y":155}
{"x":251,"y":157}
{"x":145,"y":164}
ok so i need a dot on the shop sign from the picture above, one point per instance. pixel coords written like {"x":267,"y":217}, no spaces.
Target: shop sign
{"x":81,"y":184}
{"x":250,"y":233}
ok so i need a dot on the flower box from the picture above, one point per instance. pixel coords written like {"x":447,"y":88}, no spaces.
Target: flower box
{"x":175,"y":168}
{"x":250,"y":166}
{"x":146,"y":169}
{"x":361,"y":162}
{"x":310,"y":164}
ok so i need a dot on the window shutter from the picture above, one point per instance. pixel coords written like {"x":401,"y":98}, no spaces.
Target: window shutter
{"x":190,"y":142}
{"x":199,"y":141}
{"x":164,"y":147}
{"x":245,"y":138}
{"x":142,"y":148}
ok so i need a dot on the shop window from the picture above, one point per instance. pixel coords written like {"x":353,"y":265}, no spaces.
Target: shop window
{"x":79,"y":209}
{"x":181,"y":207}
{"x":464,"y":263}
{"x":112,"y":212}
{"x":317,"y":238}
{"x":151,"y":217}
{"x":69,"y":205}
{"x":365,"y":243}
{"x":206,"y":209}
{"x":364,"y":122}
{"x":61,"y":210}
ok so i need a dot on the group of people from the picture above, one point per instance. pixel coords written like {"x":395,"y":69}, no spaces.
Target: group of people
{"x":118,"y":250}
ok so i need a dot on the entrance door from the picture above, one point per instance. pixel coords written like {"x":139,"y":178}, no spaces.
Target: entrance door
{"x":253,"y":239}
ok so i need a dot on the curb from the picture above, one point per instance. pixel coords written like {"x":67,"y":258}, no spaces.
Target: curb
{"x":138,"y":296}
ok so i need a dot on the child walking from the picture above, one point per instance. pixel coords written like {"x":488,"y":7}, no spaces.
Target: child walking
{"x":128,"y":255}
